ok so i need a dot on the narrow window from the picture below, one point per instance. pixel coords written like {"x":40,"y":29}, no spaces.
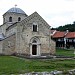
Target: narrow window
{"x":34,"y":28}
{"x":19,"y":19}
{"x":10,"y":19}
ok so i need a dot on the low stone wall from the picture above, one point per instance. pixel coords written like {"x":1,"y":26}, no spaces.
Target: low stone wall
{"x":42,"y":73}
{"x":71,"y":72}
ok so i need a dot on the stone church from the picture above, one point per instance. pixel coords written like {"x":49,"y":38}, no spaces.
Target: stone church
{"x":21,"y":34}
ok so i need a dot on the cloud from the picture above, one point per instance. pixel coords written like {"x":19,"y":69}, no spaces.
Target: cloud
{"x":55,"y":12}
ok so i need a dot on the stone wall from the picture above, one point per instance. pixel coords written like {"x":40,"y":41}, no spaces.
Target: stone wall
{"x":53,"y":47}
{"x":25,"y":33}
{"x":1,"y":46}
{"x":9,"y":45}
{"x":11,"y":30}
{"x":18,"y":35}
{"x":14,"y":17}
{"x":3,"y":29}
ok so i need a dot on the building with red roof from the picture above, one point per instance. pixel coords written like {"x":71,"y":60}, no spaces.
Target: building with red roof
{"x":70,"y":39}
{"x":59,"y":38}
{"x":59,"y":34}
{"x":64,"y":39}
{"x":70,"y":35}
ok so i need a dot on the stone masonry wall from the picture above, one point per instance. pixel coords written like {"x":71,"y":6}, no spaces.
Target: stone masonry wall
{"x":9,"y":45}
{"x":1,"y":46}
{"x":53,"y":47}
{"x":25,"y":33}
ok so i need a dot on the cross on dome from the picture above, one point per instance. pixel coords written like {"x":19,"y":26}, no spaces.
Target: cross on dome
{"x":15,"y":5}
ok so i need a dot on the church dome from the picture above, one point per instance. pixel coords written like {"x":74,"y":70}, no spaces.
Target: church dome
{"x":16,"y":10}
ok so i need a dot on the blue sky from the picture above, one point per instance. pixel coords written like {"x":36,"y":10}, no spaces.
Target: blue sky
{"x":55,"y":12}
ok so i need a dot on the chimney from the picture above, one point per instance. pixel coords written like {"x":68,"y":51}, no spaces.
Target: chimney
{"x":67,"y":31}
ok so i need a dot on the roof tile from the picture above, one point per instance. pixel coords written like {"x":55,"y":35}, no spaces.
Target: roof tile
{"x":58,"y":34}
{"x":70,"y":35}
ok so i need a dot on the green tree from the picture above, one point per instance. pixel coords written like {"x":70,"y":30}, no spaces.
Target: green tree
{"x":70,"y":27}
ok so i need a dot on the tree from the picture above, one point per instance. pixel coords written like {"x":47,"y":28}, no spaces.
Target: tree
{"x":70,"y":27}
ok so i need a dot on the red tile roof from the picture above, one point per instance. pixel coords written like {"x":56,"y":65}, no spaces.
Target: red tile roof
{"x":70,"y":35}
{"x":58,"y":34}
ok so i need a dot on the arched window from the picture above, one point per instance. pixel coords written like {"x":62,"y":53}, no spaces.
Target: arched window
{"x":19,"y":19}
{"x":10,"y":19}
{"x":35,"y":27}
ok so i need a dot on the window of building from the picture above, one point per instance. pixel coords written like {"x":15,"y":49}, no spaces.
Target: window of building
{"x":10,"y":19}
{"x":35,"y":27}
{"x":19,"y":19}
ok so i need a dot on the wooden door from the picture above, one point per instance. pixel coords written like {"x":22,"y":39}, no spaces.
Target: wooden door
{"x":34,"y":49}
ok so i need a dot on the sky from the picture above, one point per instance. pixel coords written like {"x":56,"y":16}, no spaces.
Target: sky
{"x":54,"y":12}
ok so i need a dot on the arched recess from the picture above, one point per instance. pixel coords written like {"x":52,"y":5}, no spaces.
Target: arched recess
{"x":10,"y":19}
{"x":35,"y":46}
{"x":19,"y":18}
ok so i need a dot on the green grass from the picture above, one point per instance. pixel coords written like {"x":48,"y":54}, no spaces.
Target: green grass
{"x":10,"y":65}
{"x":65,"y":52}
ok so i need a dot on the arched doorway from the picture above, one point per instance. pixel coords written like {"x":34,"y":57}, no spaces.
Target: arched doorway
{"x":35,"y":47}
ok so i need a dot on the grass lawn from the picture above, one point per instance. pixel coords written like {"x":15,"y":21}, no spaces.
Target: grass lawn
{"x":10,"y":65}
{"x":65,"y":52}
